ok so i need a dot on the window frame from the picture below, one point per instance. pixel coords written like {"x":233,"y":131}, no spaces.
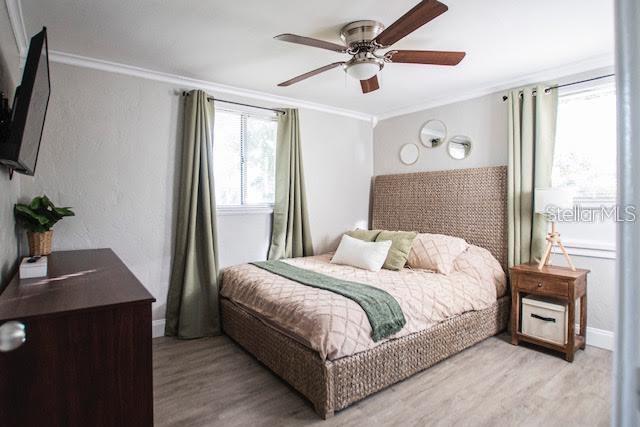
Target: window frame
{"x":578,"y":246}
{"x":243,"y":208}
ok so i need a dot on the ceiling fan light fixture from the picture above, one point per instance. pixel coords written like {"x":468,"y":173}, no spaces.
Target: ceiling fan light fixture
{"x":363,"y":70}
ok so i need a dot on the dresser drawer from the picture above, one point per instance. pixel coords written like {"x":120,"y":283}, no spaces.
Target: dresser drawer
{"x":543,"y":285}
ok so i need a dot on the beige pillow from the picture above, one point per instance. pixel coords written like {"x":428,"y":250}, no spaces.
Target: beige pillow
{"x":364,"y":235}
{"x":478,"y":263}
{"x":435,"y":252}
{"x":401,"y":242}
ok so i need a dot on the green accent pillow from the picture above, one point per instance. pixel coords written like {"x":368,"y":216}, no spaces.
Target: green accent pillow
{"x":401,"y":242}
{"x":364,"y":235}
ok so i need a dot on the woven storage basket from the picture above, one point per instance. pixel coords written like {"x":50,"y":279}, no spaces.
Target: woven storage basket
{"x":40,"y":243}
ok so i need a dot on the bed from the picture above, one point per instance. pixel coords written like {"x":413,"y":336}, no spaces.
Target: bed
{"x":335,"y":371}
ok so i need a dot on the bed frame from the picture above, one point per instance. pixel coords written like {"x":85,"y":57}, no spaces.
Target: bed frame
{"x":467,"y":203}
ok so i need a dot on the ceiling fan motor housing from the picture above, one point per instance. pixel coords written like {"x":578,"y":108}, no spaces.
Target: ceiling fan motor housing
{"x":358,"y":36}
{"x":360,"y":32}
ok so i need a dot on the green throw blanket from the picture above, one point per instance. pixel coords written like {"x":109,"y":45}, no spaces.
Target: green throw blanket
{"x":384,"y":312}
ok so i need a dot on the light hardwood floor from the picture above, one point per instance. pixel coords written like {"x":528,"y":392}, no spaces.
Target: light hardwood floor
{"x":214,"y":382}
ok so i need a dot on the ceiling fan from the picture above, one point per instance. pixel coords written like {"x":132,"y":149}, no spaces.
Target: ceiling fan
{"x":364,"y":38}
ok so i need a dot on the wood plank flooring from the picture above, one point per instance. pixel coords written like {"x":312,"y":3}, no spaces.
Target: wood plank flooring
{"x":213,"y":382}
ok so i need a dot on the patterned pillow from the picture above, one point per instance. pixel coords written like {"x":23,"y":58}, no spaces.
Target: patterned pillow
{"x":478,"y":263}
{"x":435,"y":252}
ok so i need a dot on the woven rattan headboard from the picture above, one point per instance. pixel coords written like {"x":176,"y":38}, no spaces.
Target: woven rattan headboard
{"x":466,"y":203}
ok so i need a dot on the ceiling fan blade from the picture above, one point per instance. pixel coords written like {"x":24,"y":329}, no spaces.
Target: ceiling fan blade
{"x":308,"y":41}
{"x":434,"y":57}
{"x":310,"y":74}
{"x":422,"y":13}
{"x":370,"y":85}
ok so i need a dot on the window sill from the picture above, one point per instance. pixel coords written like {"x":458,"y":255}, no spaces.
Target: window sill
{"x":588,"y":248}
{"x":244,"y":210}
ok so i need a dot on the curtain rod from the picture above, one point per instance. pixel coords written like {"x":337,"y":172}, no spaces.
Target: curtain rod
{"x":504,"y":98}
{"x":185,"y":93}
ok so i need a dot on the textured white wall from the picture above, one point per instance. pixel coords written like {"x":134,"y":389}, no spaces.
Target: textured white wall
{"x":484,"y":119}
{"x":9,"y":190}
{"x":338,"y":165}
{"x":109,"y":150}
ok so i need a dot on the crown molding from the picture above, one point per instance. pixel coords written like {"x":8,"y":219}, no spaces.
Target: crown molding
{"x":14,"y":10}
{"x":190,"y":83}
{"x":594,"y":63}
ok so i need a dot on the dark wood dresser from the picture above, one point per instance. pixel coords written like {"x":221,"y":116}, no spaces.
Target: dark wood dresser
{"x":86,"y":359}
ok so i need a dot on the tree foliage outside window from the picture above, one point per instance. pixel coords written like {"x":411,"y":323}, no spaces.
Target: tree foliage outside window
{"x":244,"y":159}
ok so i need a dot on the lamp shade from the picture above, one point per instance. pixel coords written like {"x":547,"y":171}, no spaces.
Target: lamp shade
{"x":544,"y":198}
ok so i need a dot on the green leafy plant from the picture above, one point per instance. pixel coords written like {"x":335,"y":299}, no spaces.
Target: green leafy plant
{"x":39,"y":215}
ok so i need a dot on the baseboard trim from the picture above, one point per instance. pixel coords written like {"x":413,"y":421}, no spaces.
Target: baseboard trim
{"x":595,"y":337}
{"x":157,"y":328}
{"x":600,"y":338}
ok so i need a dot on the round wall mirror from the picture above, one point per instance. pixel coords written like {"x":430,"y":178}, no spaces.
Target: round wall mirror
{"x":433,"y":133}
{"x":409,"y":154}
{"x":459,"y":147}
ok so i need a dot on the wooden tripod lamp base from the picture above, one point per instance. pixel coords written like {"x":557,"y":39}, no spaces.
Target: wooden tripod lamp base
{"x":553,"y":238}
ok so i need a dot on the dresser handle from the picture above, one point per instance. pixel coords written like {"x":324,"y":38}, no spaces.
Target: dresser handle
{"x":546,"y":319}
{"x":12,"y":336}
{"x":539,"y":284}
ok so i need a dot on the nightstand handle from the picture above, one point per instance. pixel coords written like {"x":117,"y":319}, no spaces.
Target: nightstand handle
{"x":546,"y":319}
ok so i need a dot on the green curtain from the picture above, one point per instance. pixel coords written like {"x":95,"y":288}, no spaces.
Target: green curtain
{"x":290,"y":235}
{"x":532,"y":128}
{"x":192,"y":300}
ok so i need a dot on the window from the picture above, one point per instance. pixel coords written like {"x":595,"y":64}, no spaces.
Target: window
{"x":244,"y":158}
{"x":585,"y":151}
{"x":585,"y":160}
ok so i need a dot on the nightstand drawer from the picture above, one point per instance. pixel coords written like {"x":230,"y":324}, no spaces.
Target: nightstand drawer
{"x":544,"y":286}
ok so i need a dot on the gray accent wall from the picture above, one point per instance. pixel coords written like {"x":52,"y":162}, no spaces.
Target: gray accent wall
{"x":484,"y":119}
{"x":9,"y":190}
{"x":110,"y":150}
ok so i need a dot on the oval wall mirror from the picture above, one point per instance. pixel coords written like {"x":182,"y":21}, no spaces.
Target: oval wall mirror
{"x":409,"y":154}
{"x":433,"y":133}
{"x":459,"y":147}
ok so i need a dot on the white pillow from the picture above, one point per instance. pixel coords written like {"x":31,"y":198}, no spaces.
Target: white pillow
{"x":357,"y":253}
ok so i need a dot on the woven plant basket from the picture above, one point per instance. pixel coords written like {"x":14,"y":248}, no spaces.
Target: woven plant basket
{"x":40,"y":243}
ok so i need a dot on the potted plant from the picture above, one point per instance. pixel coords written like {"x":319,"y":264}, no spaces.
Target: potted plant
{"x":37,"y":218}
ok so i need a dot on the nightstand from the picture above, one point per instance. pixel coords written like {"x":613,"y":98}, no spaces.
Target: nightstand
{"x":560,"y":285}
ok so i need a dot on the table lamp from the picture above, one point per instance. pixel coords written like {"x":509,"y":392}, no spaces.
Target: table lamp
{"x":548,"y":200}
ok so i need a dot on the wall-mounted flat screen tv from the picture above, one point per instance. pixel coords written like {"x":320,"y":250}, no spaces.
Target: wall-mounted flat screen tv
{"x":19,"y":150}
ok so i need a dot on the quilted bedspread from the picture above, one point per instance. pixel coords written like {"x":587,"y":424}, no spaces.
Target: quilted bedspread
{"x":336,"y":326}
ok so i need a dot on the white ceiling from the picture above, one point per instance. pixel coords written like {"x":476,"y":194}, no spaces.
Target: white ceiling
{"x":231,"y":42}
